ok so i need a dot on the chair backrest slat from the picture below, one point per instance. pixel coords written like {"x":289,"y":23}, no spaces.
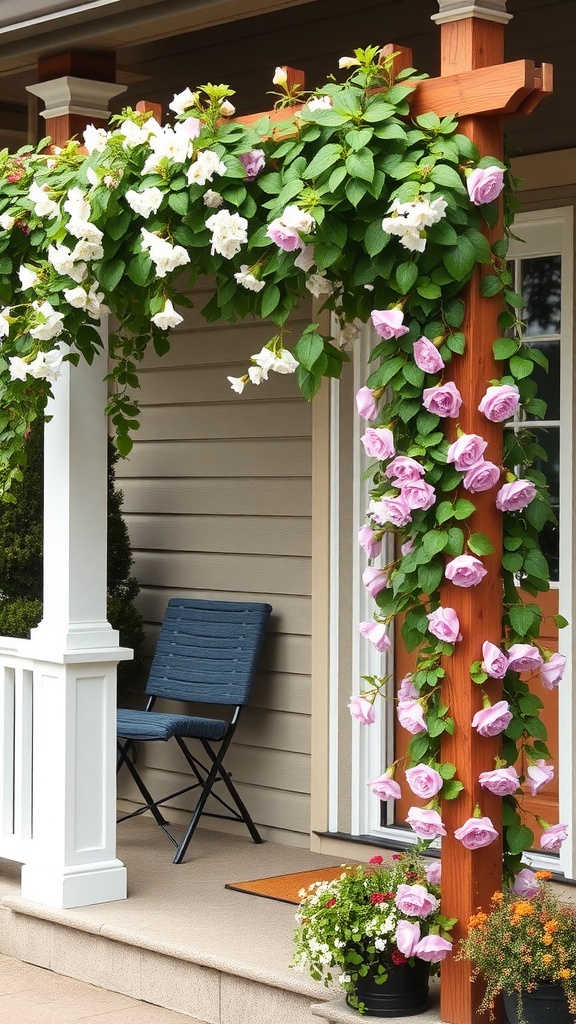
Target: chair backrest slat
{"x":207,"y":651}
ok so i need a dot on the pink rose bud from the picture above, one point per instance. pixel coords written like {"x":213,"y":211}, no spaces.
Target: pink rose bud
{"x":418,"y":494}
{"x":524,"y":658}
{"x":390,"y":510}
{"x":385,"y":788}
{"x":500,"y":781}
{"x":537,"y":775}
{"x":378,"y":442}
{"x":374,"y":580}
{"x":253,"y":162}
{"x":476,"y":832}
{"x":424,"y":781}
{"x":526,"y":884}
{"x":368,"y":541}
{"x":425,"y":822}
{"x":500,"y":402}
{"x":495,"y":662}
{"x":552,"y":671}
{"x":408,"y":546}
{"x":389,"y":323}
{"x":377,"y":634}
{"x":553,"y":837}
{"x":366,"y":404}
{"x":442,"y":400}
{"x":485,"y":184}
{"x":411,"y":716}
{"x":481,"y":477}
{"x":433,"y":948}
{"x":407,"y":690}
{"x":492,"y":720}
{"x":404,"y":470}
{"x":427,"y":356}
{"x":407,"y":937}
{"x":444,"y":624}
{"x":515,"y":496}
{"x":466,"y":451}
{"x":362,"y":710}
{"x":415,"y":900}
{"x":434,"y":872}
{"x":465,"y":571}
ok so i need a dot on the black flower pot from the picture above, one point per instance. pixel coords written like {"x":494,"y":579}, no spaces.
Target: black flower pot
{"x":403,"y":994}
{"x":546,"y":1004}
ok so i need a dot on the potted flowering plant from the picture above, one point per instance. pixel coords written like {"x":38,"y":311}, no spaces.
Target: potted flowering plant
{"x":525,"y":949}
{"x":377,"y":930}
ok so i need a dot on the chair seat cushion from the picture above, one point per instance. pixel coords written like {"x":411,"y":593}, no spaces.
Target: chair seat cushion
{"x":154,"y":725}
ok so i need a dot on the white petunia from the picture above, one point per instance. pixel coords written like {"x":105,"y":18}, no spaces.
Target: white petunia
{"x":280,"y":77}
{"x":46,"y":365}
{"x":84,"y":229}
{"x":348,"y":62}
{"x":229,"y":233}
{"x":320,"y":103}
{"x":95,"y":139}
{"x":137,"y":135}
{"x":4,"y":323}
{"x":167,"y":145}
{"x":318,"y":284}
{"x":77,"y":297}
{"x":212,"y":199}
{"x":247,"y":280}
{"x":305,"y":258}
{"x":92,"y":177}
{"x":43,"y":206}
{"x":227,"y":108}
{"x":85,"y":250}
{"x":285,"y":362}
{"x":237,"y":384}
{"x":205,"y":166}
{"x":167,"y":317}
{"x":28,"y":278}
{"x":50,"y":325}
{"x":18,"y":368}
{"x":183,"y":100}
{"x":145,"y":202}
{"x":7,"y":221}
{"x":165,"y":256}
{"x":77,"y":205}
{"x":257,"y":374}
{"x":66,"y":262}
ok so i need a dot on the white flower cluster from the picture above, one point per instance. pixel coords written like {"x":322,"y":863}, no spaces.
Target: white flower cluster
{"x":265,"y":361}
{"x":145,"y":202}
{"x":409,"y":221}
{"x":45,"y":365}
{"x":247,"y":279}
{"x":91,"y":301}
{"x":165,"y":256}
{"x":229,"y":233}
{"x":204,"y":167}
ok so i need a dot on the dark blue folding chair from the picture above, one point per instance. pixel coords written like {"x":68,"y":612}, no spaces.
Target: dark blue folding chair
{"x":207,"y":653}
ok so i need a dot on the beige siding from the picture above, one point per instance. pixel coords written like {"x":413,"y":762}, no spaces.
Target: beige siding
{"x":217,"y":499}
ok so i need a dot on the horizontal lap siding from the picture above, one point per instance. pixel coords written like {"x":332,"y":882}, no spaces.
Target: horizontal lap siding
{"x":217,"y":500}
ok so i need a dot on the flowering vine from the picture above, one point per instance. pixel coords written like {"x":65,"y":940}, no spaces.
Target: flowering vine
{"x":380,"y":216}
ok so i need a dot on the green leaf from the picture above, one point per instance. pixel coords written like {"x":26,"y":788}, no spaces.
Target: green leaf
{"x":535,"y":564}
{"x":178,"y":201}
{"x":460,"y":260}
{"x":434,"y":542}
{"x":325,"y":158}
{"x":479,"y":544}
{"x":447,"y":770}
{"x":270,"y":299}
{"x":361,"y":165}
{"x":503,"y":348}
{"x":406,"y":275}
{"x":418,"y":747}
{"x":444,"y":175}
{"x":510,"y":816}
{"x":308,"y":349}
{"x":560,"y":621}
{"x":520,"y":367}
{"x":521,"y":619}
{"x":444,"y":511}
{"x":110,"y":273}
{"x":375,"y":239}
{"x":450,"y":790}
{"x":490,"y":286}
{"x":512,"y":560}
{"x":453,"y":311}
{"x":463,"y":508}
{"x":455,"y":545}
{"x":430,"y":576}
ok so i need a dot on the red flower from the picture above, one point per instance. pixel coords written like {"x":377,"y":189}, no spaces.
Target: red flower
{"x":331,"y":903}
{"x":378,"y":897}
{"x":376,"y":860}
{"x":397,"y":957}
{"x":396,"y":856}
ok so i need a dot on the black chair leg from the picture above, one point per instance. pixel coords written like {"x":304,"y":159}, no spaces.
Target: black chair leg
{"x":161,"y":821}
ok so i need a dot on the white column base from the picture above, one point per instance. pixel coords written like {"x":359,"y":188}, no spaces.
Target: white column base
{"x":79,"y":886}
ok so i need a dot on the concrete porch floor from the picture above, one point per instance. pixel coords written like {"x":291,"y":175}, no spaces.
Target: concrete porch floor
{"x":180,"y":941}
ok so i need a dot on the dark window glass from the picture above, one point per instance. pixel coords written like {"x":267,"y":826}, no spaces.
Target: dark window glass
{"x":548,"y":382}
{"x":540,"y":289}
{"x":549,"y":439}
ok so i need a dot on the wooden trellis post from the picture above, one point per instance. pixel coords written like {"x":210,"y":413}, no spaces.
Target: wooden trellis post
{"x":481,"y":91}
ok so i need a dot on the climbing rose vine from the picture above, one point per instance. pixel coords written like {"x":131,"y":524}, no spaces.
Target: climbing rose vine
{"x":380,"y":216}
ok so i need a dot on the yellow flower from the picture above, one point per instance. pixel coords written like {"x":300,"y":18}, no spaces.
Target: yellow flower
{"x":547,"y":939}
{"x":477,"y":920}
{"x":542,"y":874}
{"x":498,"y":897}
{"x":547,"y":959}
{"x":564,"y":973}
{"x":522,"y":908}
{"x":551,"y":926}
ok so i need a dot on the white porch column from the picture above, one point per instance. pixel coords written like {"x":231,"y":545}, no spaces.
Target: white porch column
{"x":75,"y":652}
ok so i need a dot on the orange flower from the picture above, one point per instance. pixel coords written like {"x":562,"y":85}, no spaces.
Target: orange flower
{"x":547,"y":939}
{"x":498,"y":897}
{"x":477,"y":920}
{"x":522,"y":908}
{"x":564,"y":973}
{"x":542,"y":874}
{"x":551,"y":926}
{"x":547,"y":959}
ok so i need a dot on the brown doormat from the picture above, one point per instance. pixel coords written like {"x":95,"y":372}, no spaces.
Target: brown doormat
{"x":285,"y":888}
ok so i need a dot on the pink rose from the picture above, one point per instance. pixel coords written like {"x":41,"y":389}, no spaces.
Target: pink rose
{"x":537,"y":775}
{"x":369,"y":542}
{"x":377,"y":634}
{"x":552,"y":671}
{"x":385,"y":788}
{"x":425,"y":822}
{"x":500,"y":781}
{"x":286,"y":238}
{"x":476,"y":832}
{"x":434,"y":872}
{"x":524,"y":658}
{"x":415,"y":900}
{"x":408,"y":546}
{"x":404,"y":470}
{"x":485,"y":184}
{"x":500,"y":402}
{"x":466,"y":451}
{"x":495,"y":662}
{"x":492,"y":720}
{"x":411,"y":716}
{"x":390,"y":510}
{"x":418,"y":494}
{"x":374,"y":579}
{"x":515,"y":496}
{"x":424,"y":781}
{"x":407,"y":690}
{"x":444,"y":624}
{"x":378,"y":442}
{"x":481,"y":477}
{"x":389,"y":323}
{"x":442,"y":399}
{"x":362,"y":710}
{"x":407,"y":937}
{"x":433,"y":948}
{"x":553,"y":837}
{"x":253,"y":162}
{"x":427,"y":356}
{"x":526,"y":884}
{"x":465,"y":571}
{"x":366,"y":404}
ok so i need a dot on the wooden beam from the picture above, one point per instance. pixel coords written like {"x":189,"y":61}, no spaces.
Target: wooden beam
{"x":482,"y":92}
